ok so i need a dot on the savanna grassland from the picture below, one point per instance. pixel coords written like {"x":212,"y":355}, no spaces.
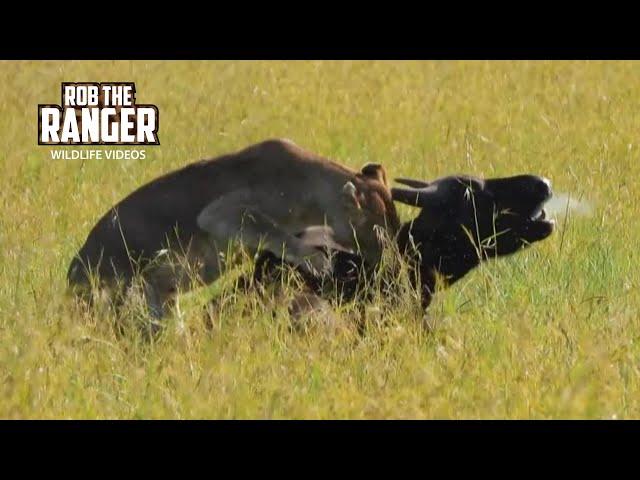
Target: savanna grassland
{"x":552,"y":332}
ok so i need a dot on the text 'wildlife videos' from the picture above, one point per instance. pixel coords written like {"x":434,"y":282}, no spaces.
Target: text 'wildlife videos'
{"x":61,"y":154}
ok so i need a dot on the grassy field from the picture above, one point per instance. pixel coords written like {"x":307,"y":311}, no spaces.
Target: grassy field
{"x":552,"y":332}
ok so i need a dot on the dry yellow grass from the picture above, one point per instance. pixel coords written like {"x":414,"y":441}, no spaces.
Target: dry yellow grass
{"x":549,"y":333}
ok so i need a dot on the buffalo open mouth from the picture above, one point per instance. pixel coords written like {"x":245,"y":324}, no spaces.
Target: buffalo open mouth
{"x":537,"y":225}
{"x":530,"y":223}
{"x":539,"y":214}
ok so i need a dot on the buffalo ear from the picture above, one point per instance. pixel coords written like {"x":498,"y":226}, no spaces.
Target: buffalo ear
{"x":375,"y":171}
{"x":412,"y":183}
{"x":428,"y":197}
{"x":406,"y":196}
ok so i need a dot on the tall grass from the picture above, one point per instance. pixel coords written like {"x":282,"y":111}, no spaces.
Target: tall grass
{"x":551,"y":332}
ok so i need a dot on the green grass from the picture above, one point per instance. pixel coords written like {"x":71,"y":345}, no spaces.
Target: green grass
{"x":552,"y":332}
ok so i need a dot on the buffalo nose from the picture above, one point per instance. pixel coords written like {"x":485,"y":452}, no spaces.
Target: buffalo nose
{"x":544,"y":187}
